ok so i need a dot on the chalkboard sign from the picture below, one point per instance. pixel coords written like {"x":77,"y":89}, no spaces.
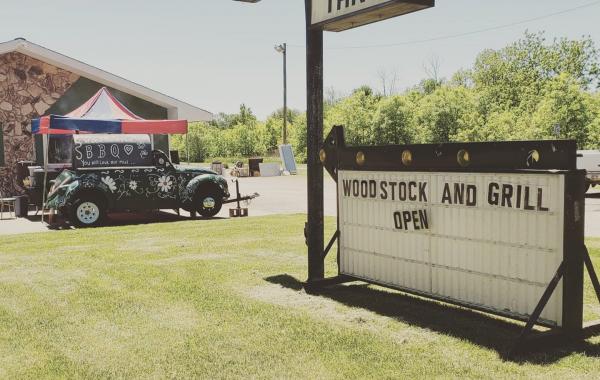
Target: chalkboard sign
{"x":106,"y":150}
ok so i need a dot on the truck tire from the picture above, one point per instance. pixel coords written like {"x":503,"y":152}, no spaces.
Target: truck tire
{"x":88,"y":211}
{"x":208,"y":202}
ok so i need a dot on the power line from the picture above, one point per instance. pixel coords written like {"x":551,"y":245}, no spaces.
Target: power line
{"x":447,"y":37}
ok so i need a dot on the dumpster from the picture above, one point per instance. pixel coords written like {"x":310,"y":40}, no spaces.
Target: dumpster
{"x":253,"y":165}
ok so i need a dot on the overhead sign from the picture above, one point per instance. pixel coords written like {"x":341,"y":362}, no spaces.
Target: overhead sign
{"x":107,"y":150}
{"x":339,"y":15}
{"x":490,"y":240}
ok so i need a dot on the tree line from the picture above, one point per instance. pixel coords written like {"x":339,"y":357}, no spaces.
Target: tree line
{"x":531,"y":89}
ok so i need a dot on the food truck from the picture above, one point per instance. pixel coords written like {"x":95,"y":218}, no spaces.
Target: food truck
{"x":123,"y":173}
{"x":108,"y":163}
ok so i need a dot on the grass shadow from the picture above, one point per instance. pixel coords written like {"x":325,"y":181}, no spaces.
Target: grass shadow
{"x":150,"y":217}
{"x":122,"y":219}
{"x":147,"y":217}
{"x":479,"y":328}
{"x":59,"y":223}
{"x":35,"y":218}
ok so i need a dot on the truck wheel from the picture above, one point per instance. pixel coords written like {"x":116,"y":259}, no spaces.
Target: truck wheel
{"x":208,"y":202}
{"x":88,"y":211}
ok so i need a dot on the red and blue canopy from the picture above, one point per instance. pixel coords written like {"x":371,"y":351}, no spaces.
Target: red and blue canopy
{"x":103,"y":113}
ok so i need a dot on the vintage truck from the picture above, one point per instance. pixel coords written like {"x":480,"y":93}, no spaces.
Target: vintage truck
{"x":123,"y":173}
{"x":590,"y":161}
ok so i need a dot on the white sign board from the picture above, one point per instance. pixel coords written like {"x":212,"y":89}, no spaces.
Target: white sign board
{"x":338,"y":15}
{"x":287,"y":158}
{"x":269,"y":169}
{"x":493,"y":241}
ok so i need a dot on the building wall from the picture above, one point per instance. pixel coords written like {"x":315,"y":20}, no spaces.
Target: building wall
{"x":28,"y":88}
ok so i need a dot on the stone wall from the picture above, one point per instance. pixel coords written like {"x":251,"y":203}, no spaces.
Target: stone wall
{"x":28,"y":87}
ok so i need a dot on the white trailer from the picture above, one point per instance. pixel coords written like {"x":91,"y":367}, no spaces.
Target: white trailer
{"x":590,"y":161}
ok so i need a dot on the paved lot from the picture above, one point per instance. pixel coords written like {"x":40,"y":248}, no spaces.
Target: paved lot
{"x":278,"y":195}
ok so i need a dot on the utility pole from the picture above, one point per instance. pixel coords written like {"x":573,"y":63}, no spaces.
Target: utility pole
{"x":283,"y":49}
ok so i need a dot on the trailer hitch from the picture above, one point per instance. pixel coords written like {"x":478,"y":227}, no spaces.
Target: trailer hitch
{"x":239,"y":211}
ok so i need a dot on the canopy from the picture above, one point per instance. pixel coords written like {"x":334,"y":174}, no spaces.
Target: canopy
{"x":103,"y":113}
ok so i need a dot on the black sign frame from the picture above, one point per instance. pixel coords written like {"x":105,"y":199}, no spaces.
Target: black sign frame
{"x":539,"y":157}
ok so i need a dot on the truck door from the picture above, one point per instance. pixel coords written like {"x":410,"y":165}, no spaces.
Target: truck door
{"x":163,"y":183}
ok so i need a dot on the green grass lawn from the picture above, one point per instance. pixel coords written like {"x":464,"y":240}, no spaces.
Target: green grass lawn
{"x":222,"y":299}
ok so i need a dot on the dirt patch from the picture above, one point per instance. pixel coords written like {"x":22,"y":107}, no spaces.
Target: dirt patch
{"x":41,"y":275}
{"x":329,"y":310}
{"x":73,"y":249}
{"x":176,"y":316}
{"x":47,"y":282}
{"x":143,"y":245}
{"x":190,"y":257}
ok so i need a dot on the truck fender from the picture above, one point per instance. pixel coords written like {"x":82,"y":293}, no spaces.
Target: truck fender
{"x":188,"y":193}
{"x":91,"y":184}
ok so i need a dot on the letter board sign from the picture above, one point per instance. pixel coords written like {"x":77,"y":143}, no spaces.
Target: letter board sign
{"x":495,"y":226}
{"x":339,"y":15}
{"x":491,"y":240}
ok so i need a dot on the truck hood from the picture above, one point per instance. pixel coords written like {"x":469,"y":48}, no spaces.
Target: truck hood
{"x":196,"y":171}
{"x":66,"y":180}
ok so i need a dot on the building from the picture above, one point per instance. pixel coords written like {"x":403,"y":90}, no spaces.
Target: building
{"x":35,"y":81}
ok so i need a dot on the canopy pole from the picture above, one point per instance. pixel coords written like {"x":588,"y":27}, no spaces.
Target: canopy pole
{"x":187,"y":149}
{"x":45,"y":141}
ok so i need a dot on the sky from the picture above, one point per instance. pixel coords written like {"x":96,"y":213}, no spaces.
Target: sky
{"x":218,"y":54}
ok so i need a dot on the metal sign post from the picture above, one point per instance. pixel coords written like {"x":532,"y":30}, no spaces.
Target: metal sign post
{"x":314,"y":135}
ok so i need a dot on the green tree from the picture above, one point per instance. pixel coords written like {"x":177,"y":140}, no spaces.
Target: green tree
{"x":593,"y":141}
{"x":274,"y":128}
{"x":565,"y":107}
{"x":516,"y":75}
{"x":448,"y":114}
{"x":355,"y":113}
{"x":393,"y":122}
{"x":298,"y":138}
{"x":429,"y":85}
{"x":225,"y":121}
{"x":196,"y":142}
{"x":500,"y":125}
